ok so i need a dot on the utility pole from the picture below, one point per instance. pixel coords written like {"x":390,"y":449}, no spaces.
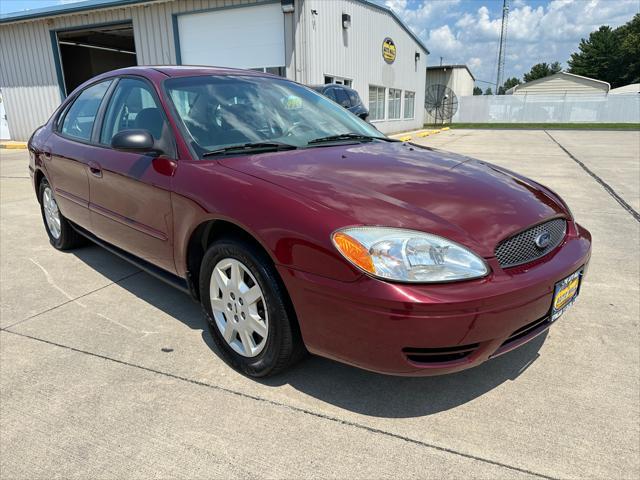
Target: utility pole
{"x":503,"y":44}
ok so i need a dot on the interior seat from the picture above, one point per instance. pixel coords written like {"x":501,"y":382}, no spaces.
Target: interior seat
{"x":150,"y":119}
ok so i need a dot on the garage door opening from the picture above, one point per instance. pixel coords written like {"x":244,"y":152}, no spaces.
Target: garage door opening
{"x":88,"y":52}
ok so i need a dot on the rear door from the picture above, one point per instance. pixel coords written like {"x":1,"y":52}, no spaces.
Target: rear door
{"x":130,"y":192}
{"x":68,"y":159}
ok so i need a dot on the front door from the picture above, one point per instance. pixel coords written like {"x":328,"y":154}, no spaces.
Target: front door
{"x":130,"y":200}
{"x":66,"y":163}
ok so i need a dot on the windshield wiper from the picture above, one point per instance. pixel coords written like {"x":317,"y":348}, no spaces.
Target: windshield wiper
{"x":251,"y":147}
{"x":347,"y":136}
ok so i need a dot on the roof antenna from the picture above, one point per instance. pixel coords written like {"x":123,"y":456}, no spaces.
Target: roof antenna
{"x":440,"y":61}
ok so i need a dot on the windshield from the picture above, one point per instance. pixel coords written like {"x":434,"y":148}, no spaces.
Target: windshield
{"x":222,"y":111}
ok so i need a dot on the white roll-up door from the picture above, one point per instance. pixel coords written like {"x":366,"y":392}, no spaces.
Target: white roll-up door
{"x":243,"y":37}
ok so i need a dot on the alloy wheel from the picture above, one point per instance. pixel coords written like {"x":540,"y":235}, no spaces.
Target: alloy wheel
{"x":239,"y":307}
{"x":51,"y":213}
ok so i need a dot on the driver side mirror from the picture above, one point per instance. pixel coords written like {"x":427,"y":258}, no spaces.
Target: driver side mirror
{"x":134,"y":140}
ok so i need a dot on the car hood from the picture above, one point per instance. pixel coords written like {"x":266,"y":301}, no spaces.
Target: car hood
{"x":471,"y":202}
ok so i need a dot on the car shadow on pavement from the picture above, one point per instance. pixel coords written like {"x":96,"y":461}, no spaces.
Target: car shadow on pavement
{"x":378,"y":395}
{"x":329,"y":381}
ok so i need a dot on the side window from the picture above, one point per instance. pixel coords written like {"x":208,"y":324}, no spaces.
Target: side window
{"x":342,"y":98}
{"x":353,"y":96}
{"x":80,"y":116}
{"x":330,"y":93}
{"x":132,"y":106}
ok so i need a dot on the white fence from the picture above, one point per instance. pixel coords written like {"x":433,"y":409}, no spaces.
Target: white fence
{"x":624,"y":108}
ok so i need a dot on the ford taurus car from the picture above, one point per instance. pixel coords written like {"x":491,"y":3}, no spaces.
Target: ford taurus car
{"x":301,"y":228}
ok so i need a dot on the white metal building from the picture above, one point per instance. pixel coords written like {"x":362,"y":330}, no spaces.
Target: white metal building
{"x":457,"y":77}
{"x":46,"y":53}
{"x":562,"y":83}
{"x":633,"y":88}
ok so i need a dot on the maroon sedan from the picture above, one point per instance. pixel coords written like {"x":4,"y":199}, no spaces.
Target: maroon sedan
{"x":299,"y":227}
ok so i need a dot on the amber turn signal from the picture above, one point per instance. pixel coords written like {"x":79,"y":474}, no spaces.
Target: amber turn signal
{"x":354,"y":251}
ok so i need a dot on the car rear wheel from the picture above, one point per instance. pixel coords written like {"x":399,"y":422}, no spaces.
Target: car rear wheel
{"x":247,"y":310}
{"x":61,"y":234}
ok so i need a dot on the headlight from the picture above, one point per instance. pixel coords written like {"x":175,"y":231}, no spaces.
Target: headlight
{"x":407,"y":255}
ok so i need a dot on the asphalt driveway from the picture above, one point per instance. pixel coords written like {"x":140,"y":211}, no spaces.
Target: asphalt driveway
{"x":105,"y":372}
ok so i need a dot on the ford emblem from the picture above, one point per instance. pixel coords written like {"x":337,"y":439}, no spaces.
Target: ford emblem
{"x":543,"y":240}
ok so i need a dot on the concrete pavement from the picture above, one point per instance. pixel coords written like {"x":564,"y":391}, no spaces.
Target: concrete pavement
{"x":105,"y":372}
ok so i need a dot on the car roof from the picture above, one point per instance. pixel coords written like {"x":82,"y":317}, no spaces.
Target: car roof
{"x":156,"y":73}
{"x":327,"y":85}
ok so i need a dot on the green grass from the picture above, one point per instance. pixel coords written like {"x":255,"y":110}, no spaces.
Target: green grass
{"x":545,"y":126}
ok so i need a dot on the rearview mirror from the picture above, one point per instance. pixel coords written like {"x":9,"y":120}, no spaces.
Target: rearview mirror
{"x":137,"y":140}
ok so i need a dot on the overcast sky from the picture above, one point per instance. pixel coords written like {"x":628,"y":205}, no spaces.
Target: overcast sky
{"x":468,"y":31}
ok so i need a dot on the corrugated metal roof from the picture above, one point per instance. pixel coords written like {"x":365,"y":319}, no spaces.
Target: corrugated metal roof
{"x":65,"y":9}
{"x":512,"y":90}
{"x":76,"y":7}
{"x":632,"y":88}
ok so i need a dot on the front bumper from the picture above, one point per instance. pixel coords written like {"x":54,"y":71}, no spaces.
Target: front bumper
{"x":420,"y":330}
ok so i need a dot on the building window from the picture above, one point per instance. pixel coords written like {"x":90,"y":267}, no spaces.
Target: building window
{"x":280,"y":71}
{"x":376,"y":102}
{"x":339,"y":80}
{"x":409,"y":104}
{"x":394,"y":103}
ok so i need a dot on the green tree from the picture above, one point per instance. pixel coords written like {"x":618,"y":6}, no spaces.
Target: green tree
{"x":629,"y":59}
{"x":610,"y":55}
{"x":508,"y":83}
{"x":598,"y":56}
{"x":488,"y":91}
{"x":541,"y":70}
{"x":477,"y":91}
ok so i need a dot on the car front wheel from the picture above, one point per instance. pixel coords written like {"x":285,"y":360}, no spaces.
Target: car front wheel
{"x":247,"y":310}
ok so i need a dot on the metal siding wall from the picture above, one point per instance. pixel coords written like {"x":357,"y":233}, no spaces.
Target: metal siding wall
{"x":595,"y":108}
{"x":438,"y":77}
{"x":27,"y":77}
{"x":457,"y":79}
{"x":358,"y":54}
{"x":27,"y":68}
{"x":462,"y":83}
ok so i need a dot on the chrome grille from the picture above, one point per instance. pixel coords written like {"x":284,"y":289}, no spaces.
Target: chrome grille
{"x":521,"y":248}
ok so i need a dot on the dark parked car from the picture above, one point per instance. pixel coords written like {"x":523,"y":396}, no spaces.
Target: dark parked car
{"x":345,"y":96}
{"x":300,"y":227}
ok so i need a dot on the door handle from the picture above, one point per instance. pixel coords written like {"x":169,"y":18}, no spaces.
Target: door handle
{"x":95,"y":169}
{"x":46,"y":154}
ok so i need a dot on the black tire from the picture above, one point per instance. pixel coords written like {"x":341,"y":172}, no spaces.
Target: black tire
{"x":284,"y":346}
{"x":68,"y":237}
